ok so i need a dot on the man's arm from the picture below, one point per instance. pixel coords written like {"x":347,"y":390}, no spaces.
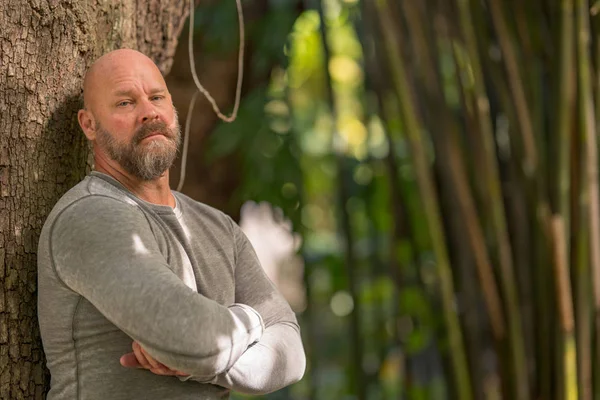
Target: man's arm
{"x":273,"y":363}
{"x":105,"y":250}
{"x":278,"y":359}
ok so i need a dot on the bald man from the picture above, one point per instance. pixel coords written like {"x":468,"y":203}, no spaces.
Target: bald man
{"x":145,"y":293}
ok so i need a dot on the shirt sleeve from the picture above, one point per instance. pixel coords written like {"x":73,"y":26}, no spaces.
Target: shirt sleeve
{"x":105,"y":250}
{"x":278,"y":359}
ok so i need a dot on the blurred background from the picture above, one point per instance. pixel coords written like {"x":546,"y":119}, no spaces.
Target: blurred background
{"x":420,"y":180}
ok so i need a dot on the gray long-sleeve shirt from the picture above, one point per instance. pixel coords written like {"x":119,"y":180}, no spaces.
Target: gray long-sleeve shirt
{"x":185,"y":283}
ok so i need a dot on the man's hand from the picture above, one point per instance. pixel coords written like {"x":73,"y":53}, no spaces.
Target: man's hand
{"x":140,"y":359}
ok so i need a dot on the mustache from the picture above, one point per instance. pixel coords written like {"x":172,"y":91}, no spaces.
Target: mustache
{"x":152,"y":128}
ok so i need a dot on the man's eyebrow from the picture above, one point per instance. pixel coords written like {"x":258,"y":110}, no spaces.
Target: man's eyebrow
{"x":123,"y":92}
{"x":130,"y":92}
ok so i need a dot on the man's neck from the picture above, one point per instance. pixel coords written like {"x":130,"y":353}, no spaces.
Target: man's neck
{"x":156,"y":191}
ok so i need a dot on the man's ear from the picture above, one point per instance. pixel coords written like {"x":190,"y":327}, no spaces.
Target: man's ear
{"x":87,"y":123}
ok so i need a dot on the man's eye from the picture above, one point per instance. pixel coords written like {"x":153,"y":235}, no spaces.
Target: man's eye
{"x":124,"y":103}
{"x":157,"y":97}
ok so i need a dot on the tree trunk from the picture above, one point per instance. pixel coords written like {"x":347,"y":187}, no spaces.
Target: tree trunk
{"x":46,"y":47}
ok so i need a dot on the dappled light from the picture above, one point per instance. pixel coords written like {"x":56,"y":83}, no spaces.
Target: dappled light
{"x":138,"y":245}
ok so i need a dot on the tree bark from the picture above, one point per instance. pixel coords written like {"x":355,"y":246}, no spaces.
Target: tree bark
{"x":46,"y":47}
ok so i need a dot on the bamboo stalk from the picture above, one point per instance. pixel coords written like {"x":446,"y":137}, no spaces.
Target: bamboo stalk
{"x":590,"y":252}
{"x":430,"y":202}
{"x":516,"y":85}
{"x":596,"y":316}
{"x":592,"y":150}
{"x":508,"y":283}
{"x":563,"y":282}
{"x":583,"y":304}
{"x":561,"y":235}
{"x":564,"y":116}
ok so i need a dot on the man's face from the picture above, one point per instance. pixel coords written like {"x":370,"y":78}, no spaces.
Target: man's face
{"x":135,"y":123}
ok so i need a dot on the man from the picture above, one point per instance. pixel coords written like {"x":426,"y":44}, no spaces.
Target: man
{"x":143,"y":292}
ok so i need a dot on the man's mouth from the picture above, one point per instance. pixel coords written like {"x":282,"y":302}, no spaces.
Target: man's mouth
{"x":153,"y":135}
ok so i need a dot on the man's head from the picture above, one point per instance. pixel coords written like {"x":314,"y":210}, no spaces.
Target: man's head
{"x":128,"y":114}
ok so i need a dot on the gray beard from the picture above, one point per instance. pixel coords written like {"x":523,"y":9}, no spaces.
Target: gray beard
{"x":145,"y":161}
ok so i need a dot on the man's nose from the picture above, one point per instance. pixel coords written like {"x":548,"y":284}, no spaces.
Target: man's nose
{"x":148,"y":113}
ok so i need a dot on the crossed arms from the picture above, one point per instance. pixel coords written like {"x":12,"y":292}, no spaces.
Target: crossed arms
{"x":252,"y":346}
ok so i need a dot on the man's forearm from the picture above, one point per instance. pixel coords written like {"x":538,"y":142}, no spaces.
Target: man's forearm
{"x":226,"y":349}
{"x":274,"y":362}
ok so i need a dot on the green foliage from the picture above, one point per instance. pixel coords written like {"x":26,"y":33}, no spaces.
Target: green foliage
{"x":378,"y":117}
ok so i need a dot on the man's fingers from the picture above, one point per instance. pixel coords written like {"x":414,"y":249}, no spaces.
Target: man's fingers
{"x":129,"y":360}
{"x":137,"y":350}
{"x":153,"y":363}
{"x":167,"y":372}
{"x":141,"y":359}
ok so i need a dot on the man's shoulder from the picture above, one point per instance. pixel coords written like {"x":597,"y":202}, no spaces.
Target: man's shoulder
{"x":91,"y":196}
{"x":94,"y":187}
{"x":91,"y":205}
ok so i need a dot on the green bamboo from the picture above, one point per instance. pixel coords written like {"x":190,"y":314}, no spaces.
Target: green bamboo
{"x":515,"y":83}
{"x":589,"y":261}
{"x":596,"y":316}
{"x":508,"y":283}
{"x":583,"y":303}
{"x":563,"y":135}
{"x":430,"y":202}
{"x":591,"y":130}
{"x":564,"y":115}
{"x":567,"y":342}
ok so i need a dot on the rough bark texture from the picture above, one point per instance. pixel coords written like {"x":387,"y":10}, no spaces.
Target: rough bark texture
{"x":46,"y":47}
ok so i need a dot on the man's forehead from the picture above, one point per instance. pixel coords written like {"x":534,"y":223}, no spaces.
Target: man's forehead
{"x":106,"y":72}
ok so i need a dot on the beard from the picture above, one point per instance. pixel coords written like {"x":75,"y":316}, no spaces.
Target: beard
{"x":145,"y":161}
